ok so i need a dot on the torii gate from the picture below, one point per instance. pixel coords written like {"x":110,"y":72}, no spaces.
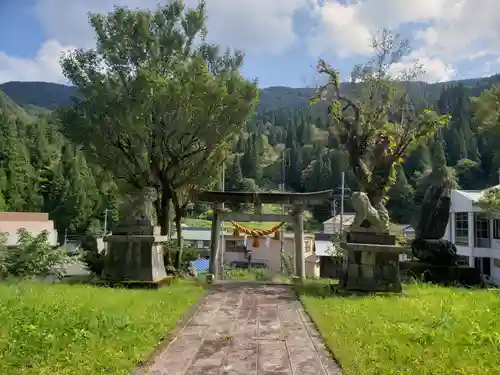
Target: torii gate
{"x":296,"y":200}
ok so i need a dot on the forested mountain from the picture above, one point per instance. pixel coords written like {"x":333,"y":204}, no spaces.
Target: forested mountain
{"x":53,"y":95}
{"x":42,"y":171}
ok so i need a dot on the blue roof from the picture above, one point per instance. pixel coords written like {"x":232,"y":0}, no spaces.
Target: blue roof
{"x":200,"y":265}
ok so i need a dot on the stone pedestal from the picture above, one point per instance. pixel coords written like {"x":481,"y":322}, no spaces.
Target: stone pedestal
{"x":371,"y":267}
{"x":135,"y":255}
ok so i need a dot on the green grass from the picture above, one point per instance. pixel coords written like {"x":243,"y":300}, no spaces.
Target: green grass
{"x":79,"y":329}
{"x":255,"y":274}
{"x":430,"y":330}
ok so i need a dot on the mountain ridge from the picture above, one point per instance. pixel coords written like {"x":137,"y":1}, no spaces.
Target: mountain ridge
{"x":54,"y":95}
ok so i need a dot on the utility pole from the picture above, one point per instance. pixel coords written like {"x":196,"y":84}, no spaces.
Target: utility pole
{"x":105,"y":222}
{"x":334,"y":214}
{"x":342,"y":204}
{"x":222,"y":246}
{"x":282,"y":189}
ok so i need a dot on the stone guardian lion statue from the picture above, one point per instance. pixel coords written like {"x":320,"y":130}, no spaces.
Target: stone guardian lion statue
{"x":378,"y":217}
{"x":141,"y":207}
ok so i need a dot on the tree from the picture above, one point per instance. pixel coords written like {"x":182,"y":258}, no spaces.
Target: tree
{"x":159,"y":106}
{"x":399,"y":195}
{"x":470,"y":175}
{"x":440,"y":175}
{"x":486,"y":118}
{"x":380,"y":126}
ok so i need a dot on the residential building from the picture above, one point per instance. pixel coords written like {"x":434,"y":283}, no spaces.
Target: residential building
{"x":408,"y":231}
{"x":34,"y":222}
{"x":198,"y":238}
{"x":332,"y":225}
{"x":330,"y":260}
{"x":475,"y":233}
{"x":268,"y":251}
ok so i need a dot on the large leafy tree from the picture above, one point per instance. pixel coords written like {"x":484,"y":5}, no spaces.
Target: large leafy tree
{"x":159,"y":106}
{"x":487,"y":119}
{"x":378,"y":124}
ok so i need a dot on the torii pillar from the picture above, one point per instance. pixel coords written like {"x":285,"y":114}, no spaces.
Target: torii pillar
{"x":295,"y":217}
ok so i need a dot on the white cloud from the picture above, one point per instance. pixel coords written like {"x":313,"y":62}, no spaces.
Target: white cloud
{"x":434,"y":69}
{"x":256,"y":26}
{"x":43,"y":67}
{"x":446,"y":31}
{"x":456,"y":30}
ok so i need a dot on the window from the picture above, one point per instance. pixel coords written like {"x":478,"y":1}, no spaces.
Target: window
{"x":206,"y":244}
{"x":462,"y":228}
{"x":496,"y":229}
{"x":199,"y":244}
{"x":235,"y":246}
{"x":482,"y":231}
{"x":307,"y":246}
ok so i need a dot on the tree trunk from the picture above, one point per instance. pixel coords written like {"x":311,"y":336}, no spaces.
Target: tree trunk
{"x":180,"y":240}
{"x":164,"y":214}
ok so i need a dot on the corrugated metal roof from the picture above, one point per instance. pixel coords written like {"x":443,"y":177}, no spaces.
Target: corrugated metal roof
{"x":195,"y":234}
{"x":347,"y":219}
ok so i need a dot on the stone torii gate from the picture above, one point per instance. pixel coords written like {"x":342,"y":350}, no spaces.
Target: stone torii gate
{"x":297,"y":201}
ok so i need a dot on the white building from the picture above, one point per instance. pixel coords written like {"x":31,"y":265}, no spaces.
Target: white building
{"x":332,"y":225}
{"x":475,"y":234}
{"x":34,"y":222}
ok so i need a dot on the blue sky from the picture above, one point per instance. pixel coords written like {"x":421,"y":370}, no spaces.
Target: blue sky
{"x":282,"y":38}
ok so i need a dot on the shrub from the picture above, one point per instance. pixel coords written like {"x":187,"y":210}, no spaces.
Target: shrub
{"x":91,"y":257}
{"x":188,"y":254}
{"x":3,"y":249}
{"x":33,"y":256}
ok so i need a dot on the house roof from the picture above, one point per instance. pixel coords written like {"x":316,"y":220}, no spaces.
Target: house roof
{"x":195,"y":234}
{"x":473,"y":195}
{"x":347,"y":219}
{"x":24,"y":216}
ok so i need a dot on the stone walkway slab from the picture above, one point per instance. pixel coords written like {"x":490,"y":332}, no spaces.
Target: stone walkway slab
{"x":247,"y":329}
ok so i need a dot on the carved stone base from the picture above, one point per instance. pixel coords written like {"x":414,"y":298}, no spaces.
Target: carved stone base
{"x":134,"y":258}
{"x":370,"y":237}
{"x":372,"y":268}
{"x":136,"y":227}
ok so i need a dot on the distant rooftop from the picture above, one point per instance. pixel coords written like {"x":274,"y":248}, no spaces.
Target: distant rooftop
{"x":475,"y":195}
{"x":347,"y":219}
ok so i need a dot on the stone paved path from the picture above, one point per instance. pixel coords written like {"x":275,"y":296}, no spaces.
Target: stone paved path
{"x":247,"y":329}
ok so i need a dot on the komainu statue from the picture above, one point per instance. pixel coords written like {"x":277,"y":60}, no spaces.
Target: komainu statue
{"x":141,"y":208}
{"x":430,"y":224}
{"x":368,"y":217}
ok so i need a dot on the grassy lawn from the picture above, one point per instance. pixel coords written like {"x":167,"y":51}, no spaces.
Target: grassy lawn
{"x":78,"y":329}
{"x":255,"y":274}
{"x":430,"y":330}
